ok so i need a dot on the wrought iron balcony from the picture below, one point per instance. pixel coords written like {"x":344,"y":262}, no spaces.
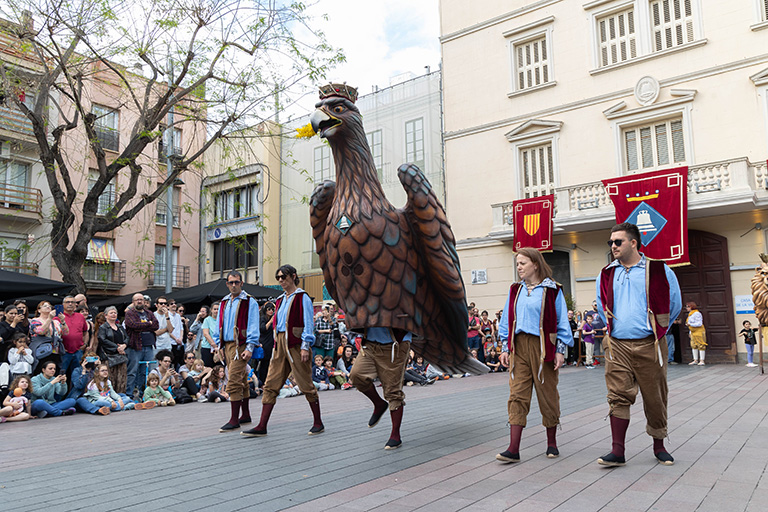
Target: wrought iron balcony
{"x":179,"y":276}
{"x":109,"y":138}
{"x":104,"y":276}
{"x":162,"y":157}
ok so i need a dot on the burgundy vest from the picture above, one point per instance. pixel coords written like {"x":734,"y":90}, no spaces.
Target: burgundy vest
{"x":547,"y":320}
{"x":294,"y":324}
{"x":241,"y":320}
{"x":656,"y":292}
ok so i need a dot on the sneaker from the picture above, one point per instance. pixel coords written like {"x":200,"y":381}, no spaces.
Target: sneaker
{"x":508,"y":458}
{"x":751,"y":365}
{"x":611,"y":460}
{"x":346,"y":385}
{"x":229,"y":427}
{"x":693,"y":362}
{"x":409,"y":383}
{"x":202,"y":399}
{"x":701,"y":363}
{"x":316,"y":429}
{"x":68,"y":412}
{"x":446,"y":377}
{"x":431,"y":381}
{"x":393,"y":444}
{"x":42,"y":414}
{"x":589,"y":367}
{"x":665,"y":458}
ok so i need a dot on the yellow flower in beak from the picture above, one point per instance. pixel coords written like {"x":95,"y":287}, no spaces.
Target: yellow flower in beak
{"x":305,"y":132}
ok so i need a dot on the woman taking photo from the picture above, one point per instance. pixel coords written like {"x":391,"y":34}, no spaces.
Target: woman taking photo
{"x":197,"y":329}
{"x":534,"y":332}
{"x":209,"y":326}
{"x":47,"y":329}
{"x":113,"y":340}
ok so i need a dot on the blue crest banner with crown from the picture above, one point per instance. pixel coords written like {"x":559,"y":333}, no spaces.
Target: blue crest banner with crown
{"x":657,"y":203}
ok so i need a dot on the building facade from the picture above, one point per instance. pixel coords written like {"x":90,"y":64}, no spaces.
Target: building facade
{"x":240,"y":201}
{"x":564,"y":94}
{"x":403,"y":123}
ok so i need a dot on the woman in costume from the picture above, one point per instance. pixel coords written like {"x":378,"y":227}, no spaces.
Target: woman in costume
{"x":534,"y":332}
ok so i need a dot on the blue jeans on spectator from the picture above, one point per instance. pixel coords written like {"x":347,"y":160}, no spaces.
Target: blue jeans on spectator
{"x":670,"y":348}
{"x":54,"y":409}
{"x":135,"y":378}
{"x":70,"y":361}
{"x":750,"y":353}
{"x":474,"y":343}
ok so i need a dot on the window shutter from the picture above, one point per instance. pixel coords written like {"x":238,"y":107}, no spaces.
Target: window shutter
{"x":617,"y":37}
{"x":532,"y":63}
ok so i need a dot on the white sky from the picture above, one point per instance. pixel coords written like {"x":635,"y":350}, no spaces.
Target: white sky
{"x":380,"y":39}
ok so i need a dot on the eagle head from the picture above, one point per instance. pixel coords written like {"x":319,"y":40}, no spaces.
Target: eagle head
{"x":333,"y":116}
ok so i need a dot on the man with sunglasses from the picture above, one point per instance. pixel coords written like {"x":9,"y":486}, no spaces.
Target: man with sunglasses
{"x":237,"y":336}
{"x":294,"y":336}
{"x":636,"y":298}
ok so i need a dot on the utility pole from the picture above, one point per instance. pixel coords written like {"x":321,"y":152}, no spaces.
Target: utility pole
{"x":169,"y":153}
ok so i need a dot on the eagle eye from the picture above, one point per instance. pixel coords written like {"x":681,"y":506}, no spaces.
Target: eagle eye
{"x":338,"y":109}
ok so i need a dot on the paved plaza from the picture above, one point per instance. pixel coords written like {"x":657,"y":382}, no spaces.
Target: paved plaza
{"x":174,"y":459}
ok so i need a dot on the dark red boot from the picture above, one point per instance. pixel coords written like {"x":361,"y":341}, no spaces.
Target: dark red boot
{"x":618,"y":435}
{"x":512,"y":453}
{"x":245,"y":412}
{"x":260,"y":430}
{"x":317,"y":426}
{"x":552,"y":450}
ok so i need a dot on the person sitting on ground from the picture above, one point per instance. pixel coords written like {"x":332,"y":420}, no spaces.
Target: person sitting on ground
{"x":492,"y":361}
{"x":101,"y":394}
{"x":20,"y":356}
{"x":189,"y":382}
{"x":16,"y":410}
{"x":320,"y":376}
{"x":46,"y":388}
{"x":253,"y":383}
{"x":336,"y":377}
{"x":412,"y":375}
{"x":217,"y":385}
{"x":289,"y":388}
{"x":344,"y":364}
{"x":155,"y":393}
{"x":165,"y":371}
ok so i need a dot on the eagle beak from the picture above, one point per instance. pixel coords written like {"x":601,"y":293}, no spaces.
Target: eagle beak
{"x":322,"y":122}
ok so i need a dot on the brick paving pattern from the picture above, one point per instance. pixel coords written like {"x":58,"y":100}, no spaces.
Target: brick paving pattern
{"x":174,"y":458}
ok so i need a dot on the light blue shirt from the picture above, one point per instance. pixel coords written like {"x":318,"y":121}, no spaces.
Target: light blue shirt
{"x":308,"y":334}
{"x":630,"y":304}
{"x":381,"y":335}
{"x":528,"y":315}
{"x":229,"y":312}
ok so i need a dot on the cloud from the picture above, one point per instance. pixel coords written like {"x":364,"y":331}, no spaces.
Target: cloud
{"x":379,"y":39}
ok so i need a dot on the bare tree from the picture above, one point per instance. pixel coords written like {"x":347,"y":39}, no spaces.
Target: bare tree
{"x":217,"y":63}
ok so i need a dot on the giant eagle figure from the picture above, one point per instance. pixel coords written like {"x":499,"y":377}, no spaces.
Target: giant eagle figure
{"x":387,"y":267}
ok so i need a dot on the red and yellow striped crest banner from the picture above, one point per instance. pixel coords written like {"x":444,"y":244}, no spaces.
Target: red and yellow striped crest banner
{"x":532,"y":220}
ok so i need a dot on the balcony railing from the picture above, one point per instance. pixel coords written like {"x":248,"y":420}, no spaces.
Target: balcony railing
{"x":713,"y":188}
{"x":20,"y":267}
{"x":104,"y":276}
{"x":109,"y":138}
{"x":21,"y":198}
{"x":161,"y":153}
{"x":179,"y":276}
{"x":14,"y":120}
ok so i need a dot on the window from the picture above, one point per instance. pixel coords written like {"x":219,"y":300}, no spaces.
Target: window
{"x":237,"y":252}
{"x":322,"y":164}
{"x":616,"y":33}
{"x":13,"y":185}
{"x":672,"y":22}
{"x":374,"y":142}
{"x":532,"y":63}
{"x":12,"y":254}
{"x":237,"y":203}
{"x":160,"y":266}
{"x":414,"y":143}
{"x":106,"y":127}
{"x":538,"y":172}
{"x":175,"y":148}
{"x":764,"y":9}
{"x":107,"y":198}
{"x":654,"y":145}
{"x":162,"y":208}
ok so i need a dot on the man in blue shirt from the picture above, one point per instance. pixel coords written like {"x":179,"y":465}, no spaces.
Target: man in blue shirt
{"x":237,"y":335}
{"x":637,"y":313}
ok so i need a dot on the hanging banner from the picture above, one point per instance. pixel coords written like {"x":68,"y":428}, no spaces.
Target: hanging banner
{"x":533,"y":222}
{"x":657,"y":203}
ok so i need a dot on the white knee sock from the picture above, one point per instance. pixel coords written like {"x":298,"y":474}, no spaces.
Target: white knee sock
{"x":701,"y":355}
{"x":695,"y":354}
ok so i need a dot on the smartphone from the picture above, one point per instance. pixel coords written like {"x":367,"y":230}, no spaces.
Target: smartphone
{"x":59,"y":309}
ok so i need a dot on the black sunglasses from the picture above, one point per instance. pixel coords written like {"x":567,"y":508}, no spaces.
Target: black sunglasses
{"x":617,"y":242}
{"x":280,"y":277}
{"x":161,"y":303}
{"x":233,"y":282}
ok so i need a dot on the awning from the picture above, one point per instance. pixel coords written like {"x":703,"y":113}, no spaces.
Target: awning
{"x":102,"y":251}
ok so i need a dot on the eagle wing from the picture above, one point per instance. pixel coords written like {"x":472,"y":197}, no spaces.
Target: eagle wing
{"x":320,"y":204}
{"x":445,"y":339}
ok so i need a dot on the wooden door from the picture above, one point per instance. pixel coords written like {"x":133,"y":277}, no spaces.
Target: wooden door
{"x":707,"y":282}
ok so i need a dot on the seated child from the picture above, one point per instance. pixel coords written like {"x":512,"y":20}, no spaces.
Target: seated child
{"x":17,"y":406}
{"x":20,"y":357}
{"x":492,"y":361}
{"x":289,"y":388}
{"x":154,"y":394}
{"x":320,"y":375}
{"x":336,"y":377}
{"x":217,"y":385}
{"x":100,"y":392}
